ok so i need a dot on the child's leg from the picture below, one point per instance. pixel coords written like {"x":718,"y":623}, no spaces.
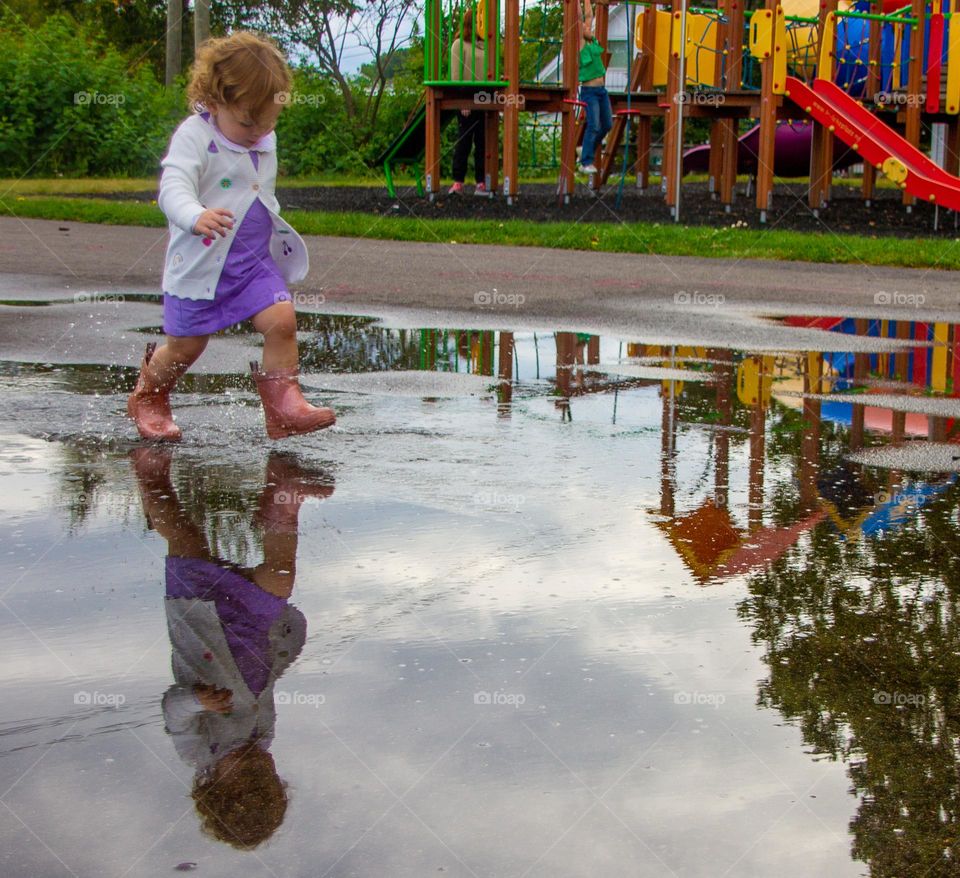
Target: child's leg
{"x":149,"y":404}
{"x":592,"y":132}
{"x":285,"y":410}
{"x":461,"y":149}
{"x":163,"y":508}
{"x":171,"y":360}
{"x":606,"y":114}
{"x":479,"y":146}
{"x":278,"y":323}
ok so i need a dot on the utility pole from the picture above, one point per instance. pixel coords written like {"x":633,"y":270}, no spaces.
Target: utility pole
{"x":201,"y":22}
{"x":174,"y":40}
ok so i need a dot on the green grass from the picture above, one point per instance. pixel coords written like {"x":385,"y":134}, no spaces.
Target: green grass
{"x":666,"y":239}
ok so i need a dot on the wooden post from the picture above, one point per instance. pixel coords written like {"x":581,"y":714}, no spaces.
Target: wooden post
{"x":768,"y":127}
{"x":730,"y":128}
{"x":810,"y":436}
{"x":821,"y":149}
{"x":570,"y":48}
{"x":601,"y":21}
{"x":648,"y":35}
{"x":511,"y":111}
{"x":872,"y":86}
{"x":433,"y":33}
{"x":491,"y":120}
{"x":505,"y":369}
{"x":431,"y":164}
{"x":725,"y":377}
{"x":758,"y":423}
{"x":174,"y":40}
{"x":914,"y":84}
{"x":672,"y":123}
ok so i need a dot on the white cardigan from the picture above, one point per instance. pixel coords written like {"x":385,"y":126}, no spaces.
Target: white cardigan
{"x":202,"y":169}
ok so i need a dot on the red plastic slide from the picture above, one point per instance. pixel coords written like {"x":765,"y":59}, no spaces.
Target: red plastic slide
{"x":879,"y":144}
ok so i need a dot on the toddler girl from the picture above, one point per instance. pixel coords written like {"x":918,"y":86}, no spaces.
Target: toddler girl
{"x":230,"y":254}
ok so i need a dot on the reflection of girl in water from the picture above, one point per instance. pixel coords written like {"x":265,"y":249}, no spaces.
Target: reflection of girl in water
{"x":233,"y":634}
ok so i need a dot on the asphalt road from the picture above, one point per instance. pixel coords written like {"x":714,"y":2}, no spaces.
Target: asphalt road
{"x":647,"y":297}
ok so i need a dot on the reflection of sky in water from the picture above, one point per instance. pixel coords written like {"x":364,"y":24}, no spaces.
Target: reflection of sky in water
{"x":462,"y":553}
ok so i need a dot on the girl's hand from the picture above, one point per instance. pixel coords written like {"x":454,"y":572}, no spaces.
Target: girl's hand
{"x":215,"y":221}
{"x":213,"y":699}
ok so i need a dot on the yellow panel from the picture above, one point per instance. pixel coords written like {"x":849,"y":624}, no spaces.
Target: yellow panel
{"x":780,"y":53}
{"x":810,"y":8}
{"x":761,"y":33}
{"x":953,"y":68}
{"x":675,"y":35}
{"x":661,"y":40}
{"x":702,"y":33}
{"x":825,"y":63}
{"x":938,"y":370}
{"x":661,"y":47}
{"x":755,"y":380}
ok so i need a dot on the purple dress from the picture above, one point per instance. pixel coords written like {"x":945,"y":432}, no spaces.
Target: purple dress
{"x":246,"y":612}
{"x":249,"y":283}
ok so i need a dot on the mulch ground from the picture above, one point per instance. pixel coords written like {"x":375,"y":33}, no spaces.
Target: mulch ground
{"x":846,"y":213}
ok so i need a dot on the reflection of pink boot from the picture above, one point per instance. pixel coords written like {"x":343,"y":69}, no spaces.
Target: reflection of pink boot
{"x":149,"y":404}
{"x":152,"y":468}
{"x":285,"y":410}
{"x":288,"y":485}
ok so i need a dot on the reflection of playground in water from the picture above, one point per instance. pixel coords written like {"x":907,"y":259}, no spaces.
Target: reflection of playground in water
{"x":233,"y":633}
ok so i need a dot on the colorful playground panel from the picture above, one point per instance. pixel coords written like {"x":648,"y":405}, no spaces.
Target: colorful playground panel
{"x":873,"y":62}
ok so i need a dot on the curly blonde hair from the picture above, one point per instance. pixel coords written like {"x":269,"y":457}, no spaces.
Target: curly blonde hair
{"x":244,"y":70}
{"x":245,"y":804}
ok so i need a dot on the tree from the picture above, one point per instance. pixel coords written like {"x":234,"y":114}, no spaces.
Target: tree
{"x":324,"y":31}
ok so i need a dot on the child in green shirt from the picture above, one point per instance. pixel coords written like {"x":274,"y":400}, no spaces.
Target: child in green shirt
{"x":592,"y":92}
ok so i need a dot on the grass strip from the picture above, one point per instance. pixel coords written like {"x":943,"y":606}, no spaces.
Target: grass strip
{"x":663,"y":239}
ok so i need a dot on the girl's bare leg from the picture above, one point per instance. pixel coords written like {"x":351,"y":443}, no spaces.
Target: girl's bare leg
{"x":278,"y":323}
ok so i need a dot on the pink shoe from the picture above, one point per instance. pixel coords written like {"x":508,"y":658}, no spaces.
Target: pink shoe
{"x":288,"y":486}
{"x":481,"y":189}
{"x":285,"y":410}
{"x":149,"y":404}
{"x":455,"y":189}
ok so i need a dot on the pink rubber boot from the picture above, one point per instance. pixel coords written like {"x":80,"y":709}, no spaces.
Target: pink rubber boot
{"x":288,"y":485}
{"x":285,"y":410}
{"x":149,"y":404}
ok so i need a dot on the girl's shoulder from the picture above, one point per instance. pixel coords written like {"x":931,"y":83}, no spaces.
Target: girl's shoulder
{"x":194,"y":129}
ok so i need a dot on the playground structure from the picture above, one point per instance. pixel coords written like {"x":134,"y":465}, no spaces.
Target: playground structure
{"x":826,"y":90}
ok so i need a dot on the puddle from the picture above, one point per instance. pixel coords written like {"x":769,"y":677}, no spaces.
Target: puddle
{"x":542,"y":604}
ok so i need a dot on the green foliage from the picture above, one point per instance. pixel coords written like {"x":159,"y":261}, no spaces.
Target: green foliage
{"x":541,"y":31}
{"x":72,"y":105}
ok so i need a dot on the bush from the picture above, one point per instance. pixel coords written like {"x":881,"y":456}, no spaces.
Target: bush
{"x":82,"y":110}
